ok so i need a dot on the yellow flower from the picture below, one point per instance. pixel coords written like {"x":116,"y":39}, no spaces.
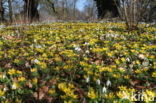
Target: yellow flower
{"x":67,"y":89}
{"x":154,"y":74}
{"x":117,"y":61}
{"x":137,"y":62}
{"x":121,"y":94}
{"x":138,"y":71}
{"x":58,"y":59}
{"x":15,"y":85}
{"x":33,"y":70}
{"x":12,"y":71}
{"x":92,"y":41}
{"x":68,"y":101}
{"x":2,"y":93}
{"x":18,"y":72}
{"x":51,"y":91}
{"x":122,"y":69}
{"x":44,"y":55}
{"x":123,"y":59}
{"x":21,"y":79}
{"x":105,"y":69}
{"x":126,"y":76}
{"x":42,"y":65}
{"x":92,"y":94}
{"x":116,"y":75}
{"x":122,"y":88}
{"x":84,"y":64}
{"x":148,"y":96}
{"x":34,"y":80}
{"x":113,"y":66}
{"x":109,"y":96}
{"x":2,"y":76}
{"x":110,"y":54}
{"x":68,"y":67}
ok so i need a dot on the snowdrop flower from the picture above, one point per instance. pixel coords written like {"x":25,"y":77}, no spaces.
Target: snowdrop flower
{"x":86,"y":43}
{"x":35,"y":40}
{"x":141,"y":56}
{"x":145,"y":63}
{"x":108,"y":83}
{"x":4,"y":76}
{"x":104,"y":89}
{"x":131,"y":66}
{"x":38,"y":46}
{"x":98,"y":82}
{"x":5,"y":89}
{"x":87,"y":79}
{"x":36,"y":61}
{"x":128,"y":59}
{"x":78,"y":49}
{"x":87,"y":51}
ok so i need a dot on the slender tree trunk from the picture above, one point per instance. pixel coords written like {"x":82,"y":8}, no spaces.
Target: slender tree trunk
{"x":10,"y":10}
{"x":104,"y":6}
{"x":74,"y":8}
{"x":30,"y":10}
{"x":1,"y":11}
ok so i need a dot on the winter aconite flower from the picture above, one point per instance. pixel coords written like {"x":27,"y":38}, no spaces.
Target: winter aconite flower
{"x":92,"y":94}
{"x":2,"y":93}
{"x":15,"y":85}
{"x":21,"y":79}
{"x":154,"y":74}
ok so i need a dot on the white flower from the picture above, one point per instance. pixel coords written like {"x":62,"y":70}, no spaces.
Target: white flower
{"x":98,"y":82}
{"x":4,"y":76}
{"x":86,"y":43}
{"x":38,"y":46}
{"x":87,"y":51}
{"x":14,"y":86}
{"x":5,"y":89}
{"x":108,"y":83}
{"x":128,"y":59}
{"x":131,"y":66}
{"x":145,"y":63}
{"x":78,"y":49}
{"x":35,"y":40}
{"x":141,"y":56}
{"x":104,"y":89}
{"x":36,"y":61}
{"x":87,"y":79}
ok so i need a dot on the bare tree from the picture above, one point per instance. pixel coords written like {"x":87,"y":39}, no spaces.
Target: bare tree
{"x":132,"y":11}
{"x":90,"y":10}
{"x":10,"y":10}
{"x":30,"y":10}
{"x":49,"y":4}
{"x":74,"y":8}
{"x":1,"y":11}
{"x":106,"y":6}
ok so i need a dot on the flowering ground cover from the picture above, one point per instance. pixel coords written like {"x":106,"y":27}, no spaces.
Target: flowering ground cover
{"x":77,"y":63}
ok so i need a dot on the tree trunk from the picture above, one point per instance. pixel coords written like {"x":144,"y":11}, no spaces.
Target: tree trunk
{"x":1,"y":11}
{"x":104,"y":6}
{"x":10,"y":10}
{"x":30,"y":10}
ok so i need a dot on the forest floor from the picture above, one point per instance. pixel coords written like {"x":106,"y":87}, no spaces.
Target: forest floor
{"x":77,"y":62}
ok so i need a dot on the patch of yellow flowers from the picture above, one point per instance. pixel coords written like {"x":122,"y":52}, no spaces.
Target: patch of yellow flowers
{"x":82,"y":56}
{"x":68,"y":89}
